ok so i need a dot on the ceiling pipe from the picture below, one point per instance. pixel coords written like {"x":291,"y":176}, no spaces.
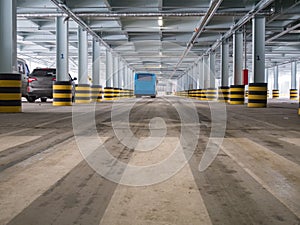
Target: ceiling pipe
{"x":127,"y":14}
{"x":283,"y":33}
{"x":214,"y":5}
{"x":255,"y":11}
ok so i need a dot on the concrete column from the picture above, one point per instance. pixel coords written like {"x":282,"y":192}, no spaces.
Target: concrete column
{"x":266,"y":75}
{"x":195,"y":76}
{"x":109,"y":71}
{"x":206,"y":71}
{"x":258,"y":49}
{"x":201,"y":76}
{"x":212,"y":70}
{"x":83,"y":56}
{"x":120,"y":74}
{"x":225,"y":64}
{"x":115,"y":71}
{"x":96,"y":62}
{"x":293,"y":75}
{"x":8,"y":36}
{"x":238,"y":57}
{"x":62,"y":49}
{"x":276,"y":72}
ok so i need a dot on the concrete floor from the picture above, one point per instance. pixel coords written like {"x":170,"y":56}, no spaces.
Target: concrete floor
{"x":254,"y":179}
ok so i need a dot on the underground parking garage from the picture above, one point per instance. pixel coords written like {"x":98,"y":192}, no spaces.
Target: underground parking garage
{"x":85,"y":141}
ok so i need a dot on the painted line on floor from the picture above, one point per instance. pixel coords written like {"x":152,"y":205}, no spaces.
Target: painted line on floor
{"x":278,"y":175}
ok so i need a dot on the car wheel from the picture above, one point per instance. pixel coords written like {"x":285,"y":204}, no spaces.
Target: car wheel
{"x":44,"y":99}
{"x":30,"y":99}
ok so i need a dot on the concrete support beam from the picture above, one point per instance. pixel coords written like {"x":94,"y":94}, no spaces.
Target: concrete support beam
{"x":238,"y":57}
{"x":212,"y":70}
{"x":120,"y":74}
{"x":96,"y":62}
{"x":62,"y":49}
{"x":109,"y":68}
{"x":258,"y":51}
{"x":83,"y":56}
{"x":276,"y":75}
{"x":201,"y":75}
{"x":206,"y":71}
{"x":115,"y":71}
{"x":8,"y":36}
{"x":225,"y":64}
{"x":293,"y":75}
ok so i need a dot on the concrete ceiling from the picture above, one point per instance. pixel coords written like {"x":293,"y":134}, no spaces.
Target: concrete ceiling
{"x":130,"y":28}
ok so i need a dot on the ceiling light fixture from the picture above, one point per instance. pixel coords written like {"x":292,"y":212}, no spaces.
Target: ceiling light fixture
{"x":160,"y":21}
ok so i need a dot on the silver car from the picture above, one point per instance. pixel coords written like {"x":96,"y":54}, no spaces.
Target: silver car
{"x":40,"y":84}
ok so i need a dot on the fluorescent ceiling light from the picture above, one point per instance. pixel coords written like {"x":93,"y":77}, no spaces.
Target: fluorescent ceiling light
{"x":160,"y":21}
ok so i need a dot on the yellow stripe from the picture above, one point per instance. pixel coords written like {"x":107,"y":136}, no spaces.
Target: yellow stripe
{"x":257,"y":105}
{"x":12,"y":109}
{"x":82,"y":101}
{"x":257,"y":89}
{"x":10,"y":96}
{"x":236,"y":96}
{"x":82,"y":88}
{"x":236,"y":102}
{"x":82,"y":95}
{"x":259,"y":97}
{"x":237,"y":89}
{"x":62,"y":87}
{"x":62,"y":95}
{"x":56,"y":103}
{"x":10,"y":83}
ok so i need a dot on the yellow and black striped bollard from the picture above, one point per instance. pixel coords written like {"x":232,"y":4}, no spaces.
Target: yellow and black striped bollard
{"x":236,"y":95}
{"x":293,"y":94}
{"x":62,"y":93}
{"x":275,"y":94}
{"x":83,"y":94}
{"x":223,"y":94}
{"x":211,"y":94}
{"x":96,"y":90}
{"x":10,"y":93}
{"x":257,"y":95}
{"x":108,"y":94}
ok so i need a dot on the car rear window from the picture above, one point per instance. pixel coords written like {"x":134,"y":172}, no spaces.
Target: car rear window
{"x":43,"y":72}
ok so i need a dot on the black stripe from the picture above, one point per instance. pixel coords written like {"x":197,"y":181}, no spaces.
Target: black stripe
{"x":257,"y":92}
{"x":237,"y":92}
{"x":83,"y":98}
{"x":258,"y":85}
{"x":257,"y":101}
{"x":10,"y":102}
{"x":62,"y":91}
{"x":62,"y":100}
{"x":237,"y":99}
{"x":12,"y":76}
{"x":9,"y":90}
{"x":237,"y":86}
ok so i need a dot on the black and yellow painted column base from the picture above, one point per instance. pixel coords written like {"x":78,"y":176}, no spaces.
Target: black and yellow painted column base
{"x":258,"y":95}
{"x":203,"y":95}
{"x":236,"y":94}
{"x":246,"y":93}
{"x":96,"y":93}
{"x":10,"y":93}
{"x":116,"y":93}
{"x":211,"y":94}
{"x":83,"y":94}
{"x":108,"y":94}
{"x":293,"y":94}
{"x":275,"y":94}
{"x":223,"y":95}
{"x":62,"y":93}
{"x":198,"y":94}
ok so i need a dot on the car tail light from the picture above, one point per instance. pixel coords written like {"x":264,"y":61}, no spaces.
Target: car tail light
{"x":53,"y":79}
{"x":31,"y":79}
